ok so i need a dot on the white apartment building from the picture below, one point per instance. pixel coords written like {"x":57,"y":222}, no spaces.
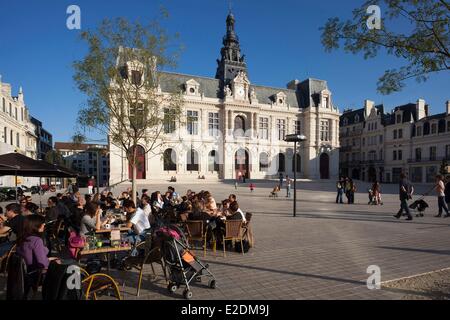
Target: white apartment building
{"x":406,"y":140}
{"x":17,"y":133}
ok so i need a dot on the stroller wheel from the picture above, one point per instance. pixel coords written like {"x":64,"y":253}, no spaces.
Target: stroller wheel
{"x":212,"y":284}
{"x":187,"y":294}
{"x":172,"y":287}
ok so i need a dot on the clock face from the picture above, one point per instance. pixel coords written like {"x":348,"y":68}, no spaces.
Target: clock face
{"x":240,"y":92}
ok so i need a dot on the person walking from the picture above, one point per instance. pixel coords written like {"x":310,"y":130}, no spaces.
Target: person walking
{"x":340,"y":190}
{"x":440,"y":189}
{"x":447,"y":191}
{"x":288,"y":187}
{"x":405,"y":193}
{"x":235,"y":185}
{"x":90,"y":186}
{"x":252,"y":187}
{"x":281,"y":177}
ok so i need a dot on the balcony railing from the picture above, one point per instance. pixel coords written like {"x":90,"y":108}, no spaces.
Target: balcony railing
{"x":350,"y":133}
{"x":372,"y":162}
{"x":350,"y":163}
{"x":430,"y":159}
{"x":345,"y":149}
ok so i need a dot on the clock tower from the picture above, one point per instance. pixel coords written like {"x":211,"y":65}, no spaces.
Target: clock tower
{"x":231,"y":62}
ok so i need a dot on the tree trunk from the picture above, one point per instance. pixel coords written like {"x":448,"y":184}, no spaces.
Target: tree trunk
{"x":133,"y":183}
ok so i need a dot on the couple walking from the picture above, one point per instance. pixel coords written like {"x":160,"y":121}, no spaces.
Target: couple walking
{"x":406,"y":191}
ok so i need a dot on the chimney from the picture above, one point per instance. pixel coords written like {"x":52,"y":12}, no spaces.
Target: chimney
{"x":448,"y":107}
{"x":292,"y":85}
{"x":368,"y":106}
{"x":421,"y":109}
{"x":20,"y":96}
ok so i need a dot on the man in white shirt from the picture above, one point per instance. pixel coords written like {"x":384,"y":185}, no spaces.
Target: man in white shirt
{"x":440,"y":189}
{"x":138,"y":222}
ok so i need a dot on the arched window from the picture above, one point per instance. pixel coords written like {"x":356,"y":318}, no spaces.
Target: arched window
{"x":281,"y":159}
{"x":239,"y":126}
{"x":170,"y":160}
{"x":426,"y":128}
{"x":263,"y":162}
{"x":213,"y":161}
{"x":298,"y":163}
{"x":441,"y":126}
{"x":192,"y":163}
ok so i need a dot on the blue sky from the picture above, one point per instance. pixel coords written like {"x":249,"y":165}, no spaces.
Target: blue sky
{"x":281,"y":41}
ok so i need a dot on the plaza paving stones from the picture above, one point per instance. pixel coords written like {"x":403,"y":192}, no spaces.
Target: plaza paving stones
{"x":323,"y":253}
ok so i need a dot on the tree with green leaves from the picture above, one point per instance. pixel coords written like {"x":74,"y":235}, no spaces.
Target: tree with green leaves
{"x":55,"y":157}
{"x":422,"y":39}
{"x":120,"y":76}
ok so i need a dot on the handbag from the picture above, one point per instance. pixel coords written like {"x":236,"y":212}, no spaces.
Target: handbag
{"x":75,"y":242}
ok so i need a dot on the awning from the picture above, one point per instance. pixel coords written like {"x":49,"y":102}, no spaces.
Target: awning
{"x":12,"y":164}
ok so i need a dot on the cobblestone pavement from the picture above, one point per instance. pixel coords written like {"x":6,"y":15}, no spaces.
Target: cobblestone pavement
{"x":323,"y":253}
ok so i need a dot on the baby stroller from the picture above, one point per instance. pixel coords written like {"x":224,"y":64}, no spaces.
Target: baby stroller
{"x":419,"y":206}
{"x":184,"y":267}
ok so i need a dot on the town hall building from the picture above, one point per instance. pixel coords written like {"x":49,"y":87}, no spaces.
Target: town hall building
{"x":236,"y":128}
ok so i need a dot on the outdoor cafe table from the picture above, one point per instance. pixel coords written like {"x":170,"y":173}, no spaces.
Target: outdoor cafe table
{"x":122,"y":229}
{"x":106,"y":250}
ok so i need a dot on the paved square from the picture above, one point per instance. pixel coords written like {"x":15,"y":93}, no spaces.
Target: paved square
{"x":323,"y":253}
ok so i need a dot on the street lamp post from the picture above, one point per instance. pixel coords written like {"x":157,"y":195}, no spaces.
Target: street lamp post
{"x":296,"y":138}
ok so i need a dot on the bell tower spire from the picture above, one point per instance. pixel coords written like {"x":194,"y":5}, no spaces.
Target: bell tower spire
{"x":232,"y":61}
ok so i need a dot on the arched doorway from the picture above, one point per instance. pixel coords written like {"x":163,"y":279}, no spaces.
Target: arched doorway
{"x":192,"y":161}
{"x":239,"y":126}
{"x":213,"y":161}
{"x":372,"y":174}
{"x":140,"y":164}
{"x":281,"y":162}
{"x":298,"y":163}
{"x":242,"y":163}
{"x":324,"y":166}
{"x":170,"y":160}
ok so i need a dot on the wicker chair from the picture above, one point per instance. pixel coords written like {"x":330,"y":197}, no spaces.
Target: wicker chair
{"x":233,"y":232}
{"x":195,"y":232}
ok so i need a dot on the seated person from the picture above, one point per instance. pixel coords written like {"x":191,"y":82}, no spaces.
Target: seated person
{"x":232,"y":198}
{"x":137,"y":221}
{"x":225,"y":211}
{"x":157,"y":200}
{"x":145,"y":204}
{"x":211,"y":205}
{"x":14,"y":220}
{"x":52,"y":211}
{"x":91,"y":219}
{"x":30,"y":245}
{"x":236,"y":212}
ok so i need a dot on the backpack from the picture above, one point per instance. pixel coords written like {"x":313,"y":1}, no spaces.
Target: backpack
{"x":245,"y":244}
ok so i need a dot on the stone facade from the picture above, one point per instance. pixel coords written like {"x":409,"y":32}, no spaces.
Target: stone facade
{"x":17,"y":132}
{"x":407,"y":140}
{"x":232,"y":126}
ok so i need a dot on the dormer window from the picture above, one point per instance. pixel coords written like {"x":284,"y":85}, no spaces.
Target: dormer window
{"x":345,"y":122}
{"x":280,"y":98}
{"x":192,"y":87}
{"x":356,"y":118}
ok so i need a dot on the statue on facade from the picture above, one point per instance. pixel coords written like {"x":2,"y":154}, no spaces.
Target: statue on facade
{"x":252,"y":94}
{"x":228,"y":92}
